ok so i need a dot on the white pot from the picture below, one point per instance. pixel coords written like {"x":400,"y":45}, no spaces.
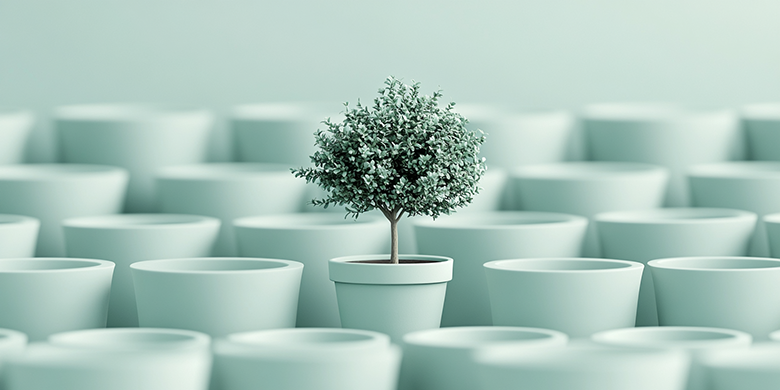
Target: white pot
{"x":117,"y":359}
{"x":473,"y":239}
{"x":12,"y":345}
{"x":772,"y":224}
{"x":228,"y":191}
{"x":645,"y":235}
{"x":217,"y":296}
{"x":442,"y":359}
{"x":581,"y":367}
{"x":762,"y":130}
{"x":741,"y":293}
{"x":313,"y":239}
{"x":743,"y":185}
{"x":127,"y":238}
{"x":276,"y":132}
{"x":42,"y":296}
{"x":138,"y":138}
{"x":664,"y":135}
{"x":589,"y":188}
{"x":390,"y":298}
{"x":15,"y":129}
{"x":18,"y":235}
{"x":757,"y":368}
{"x":577,"y":296}
{"x":698,"y":342}
{"x":53,"y":192}
{"x":306,"y":359}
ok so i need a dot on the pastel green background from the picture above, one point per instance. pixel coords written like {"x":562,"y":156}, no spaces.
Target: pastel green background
{"x":520,"y":54}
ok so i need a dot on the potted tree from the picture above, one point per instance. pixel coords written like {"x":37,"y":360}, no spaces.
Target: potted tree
{"x":406,"y":155}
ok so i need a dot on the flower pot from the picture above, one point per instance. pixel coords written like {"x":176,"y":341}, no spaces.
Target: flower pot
{"x":772,"y":225}
{"x":18,"y":235}
{"x":117,"y":359}
{"x":744,"y":185}
{"x":589,"y":188}
{"x":394,"y":299}
{"x":127,"y":238}
{"x":15,"y":129}
{"x":473,"y":239}
{"x":762,"y":130}
{"x":756,"y":368}
{"x":140,"y":139}
{"x":276,"y":132}
{"x":741,"y":293}
{"x":581,"y":367}
{"x":53,"y":192}
{"x":312,"y":239}
{"x":306,"y":359}
{"x":442,"y":359}
{"x":42,"y":296}
{"x":698,"y":342}
{"x":645,"y":235}
{"x":664,"y":135}
{"x":217,"y":296}
{"x":228,"y":191}
{"x":12,"y":345}
{"x":577,"y":296}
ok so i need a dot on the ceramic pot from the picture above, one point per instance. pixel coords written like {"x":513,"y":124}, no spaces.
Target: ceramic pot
{"x":645,"y":235}
{"x":743,"y":185}
{"x":228,"y":191}
{"x":473,"y":239}
{"x":589,"y":188}
{"x":312,"y":239}
{"x":577,"y":296}
{"x":276,"y":132}
{"x":42,"y":296}
{"x":138,"y":138}
{"x":15,"y":129}
{"x":756,"y":368}
{"x":394,"y":299}
{"x":18,"y":235}
{"x":664,"y":135}
{"x":762,"y":130}
{"x":12,"y":345}
{"x":442,"y":359}
{"x":306,"y":359}
{"x":772,"y":225}
{"x":117,"y":359}
{"x":741,"y":293}
{"x":53,"y":192}
{"x":581,"y":367}
{"x":127,"y":238}
{"x":217,"y":296}
{"x":698,"y":342}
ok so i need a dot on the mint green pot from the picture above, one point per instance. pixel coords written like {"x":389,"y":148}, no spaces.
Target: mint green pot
{"x":394,"y":299}
{"x":18,"y":235}
{"x":312,"y":239}
{"x":128,"y":238}
{"x":475,"y":238}
{"x":762,"y":130}
{"x":756,"y":368}
{"x":306,"y":359}
{"x":139,"y":138}
{"x":12,"y":345}
{"x":15,"y":129}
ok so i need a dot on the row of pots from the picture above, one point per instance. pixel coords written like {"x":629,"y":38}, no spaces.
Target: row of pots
{"x":458,"y":358}
{"x":143,"y":139}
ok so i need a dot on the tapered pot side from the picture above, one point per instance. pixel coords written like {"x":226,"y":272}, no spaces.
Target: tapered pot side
{"x":577,"y":296}
{"x":643,"y":235}
{"x":762,"y":130}
{"x":394,"y":299}
{"x":473,"y":239}
{"x":772,"y":225}
{"x":15,"y":129}
{"x":741,"y":293}
{"x":128,"y":238}
{"x":18,"y":235}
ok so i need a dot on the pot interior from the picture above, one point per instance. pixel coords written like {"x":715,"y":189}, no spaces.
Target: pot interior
{"x":209,"y":265}
{"x":42,"y":264}
{"x":558,"y":265}
{"x":716,"y":263}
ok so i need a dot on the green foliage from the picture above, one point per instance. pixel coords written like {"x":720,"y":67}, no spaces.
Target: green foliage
{"x":404,"y":154}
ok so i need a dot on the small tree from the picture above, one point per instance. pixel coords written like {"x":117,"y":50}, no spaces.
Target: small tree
{"x":404,"y":155}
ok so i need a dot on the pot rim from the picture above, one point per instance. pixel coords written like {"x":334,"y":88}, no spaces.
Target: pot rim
{"x":141,"y":221}
{"x":158,"y":266}
{"x":650,"y":112}
{"x":614,"y":265}
{"x":671,"y":263}
{"x":346,"y":270}
{"x":586,"y":170}
{"x":307,"y":221}
{"x":744,"y":170}
{"x":224,"y":171}
{"x":55,"y":172}
{"x":131,"y":339}
{"x":503,"y":220}
{"x":15,"y":220}
{"x":768,"y":111}
{"x":438,"y":338}
{"x":304,"y":338}
{"x":81,"y":265}
{"x":633,"y":337}
{"x":124,"y":112}
{"x":676,"y":216}
{"x":11,"y":336}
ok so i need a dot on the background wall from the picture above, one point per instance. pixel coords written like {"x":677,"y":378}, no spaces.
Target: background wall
{"x":519,"y":54}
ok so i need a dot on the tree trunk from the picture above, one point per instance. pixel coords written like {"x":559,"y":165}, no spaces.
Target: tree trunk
{"x":393,"y":241}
